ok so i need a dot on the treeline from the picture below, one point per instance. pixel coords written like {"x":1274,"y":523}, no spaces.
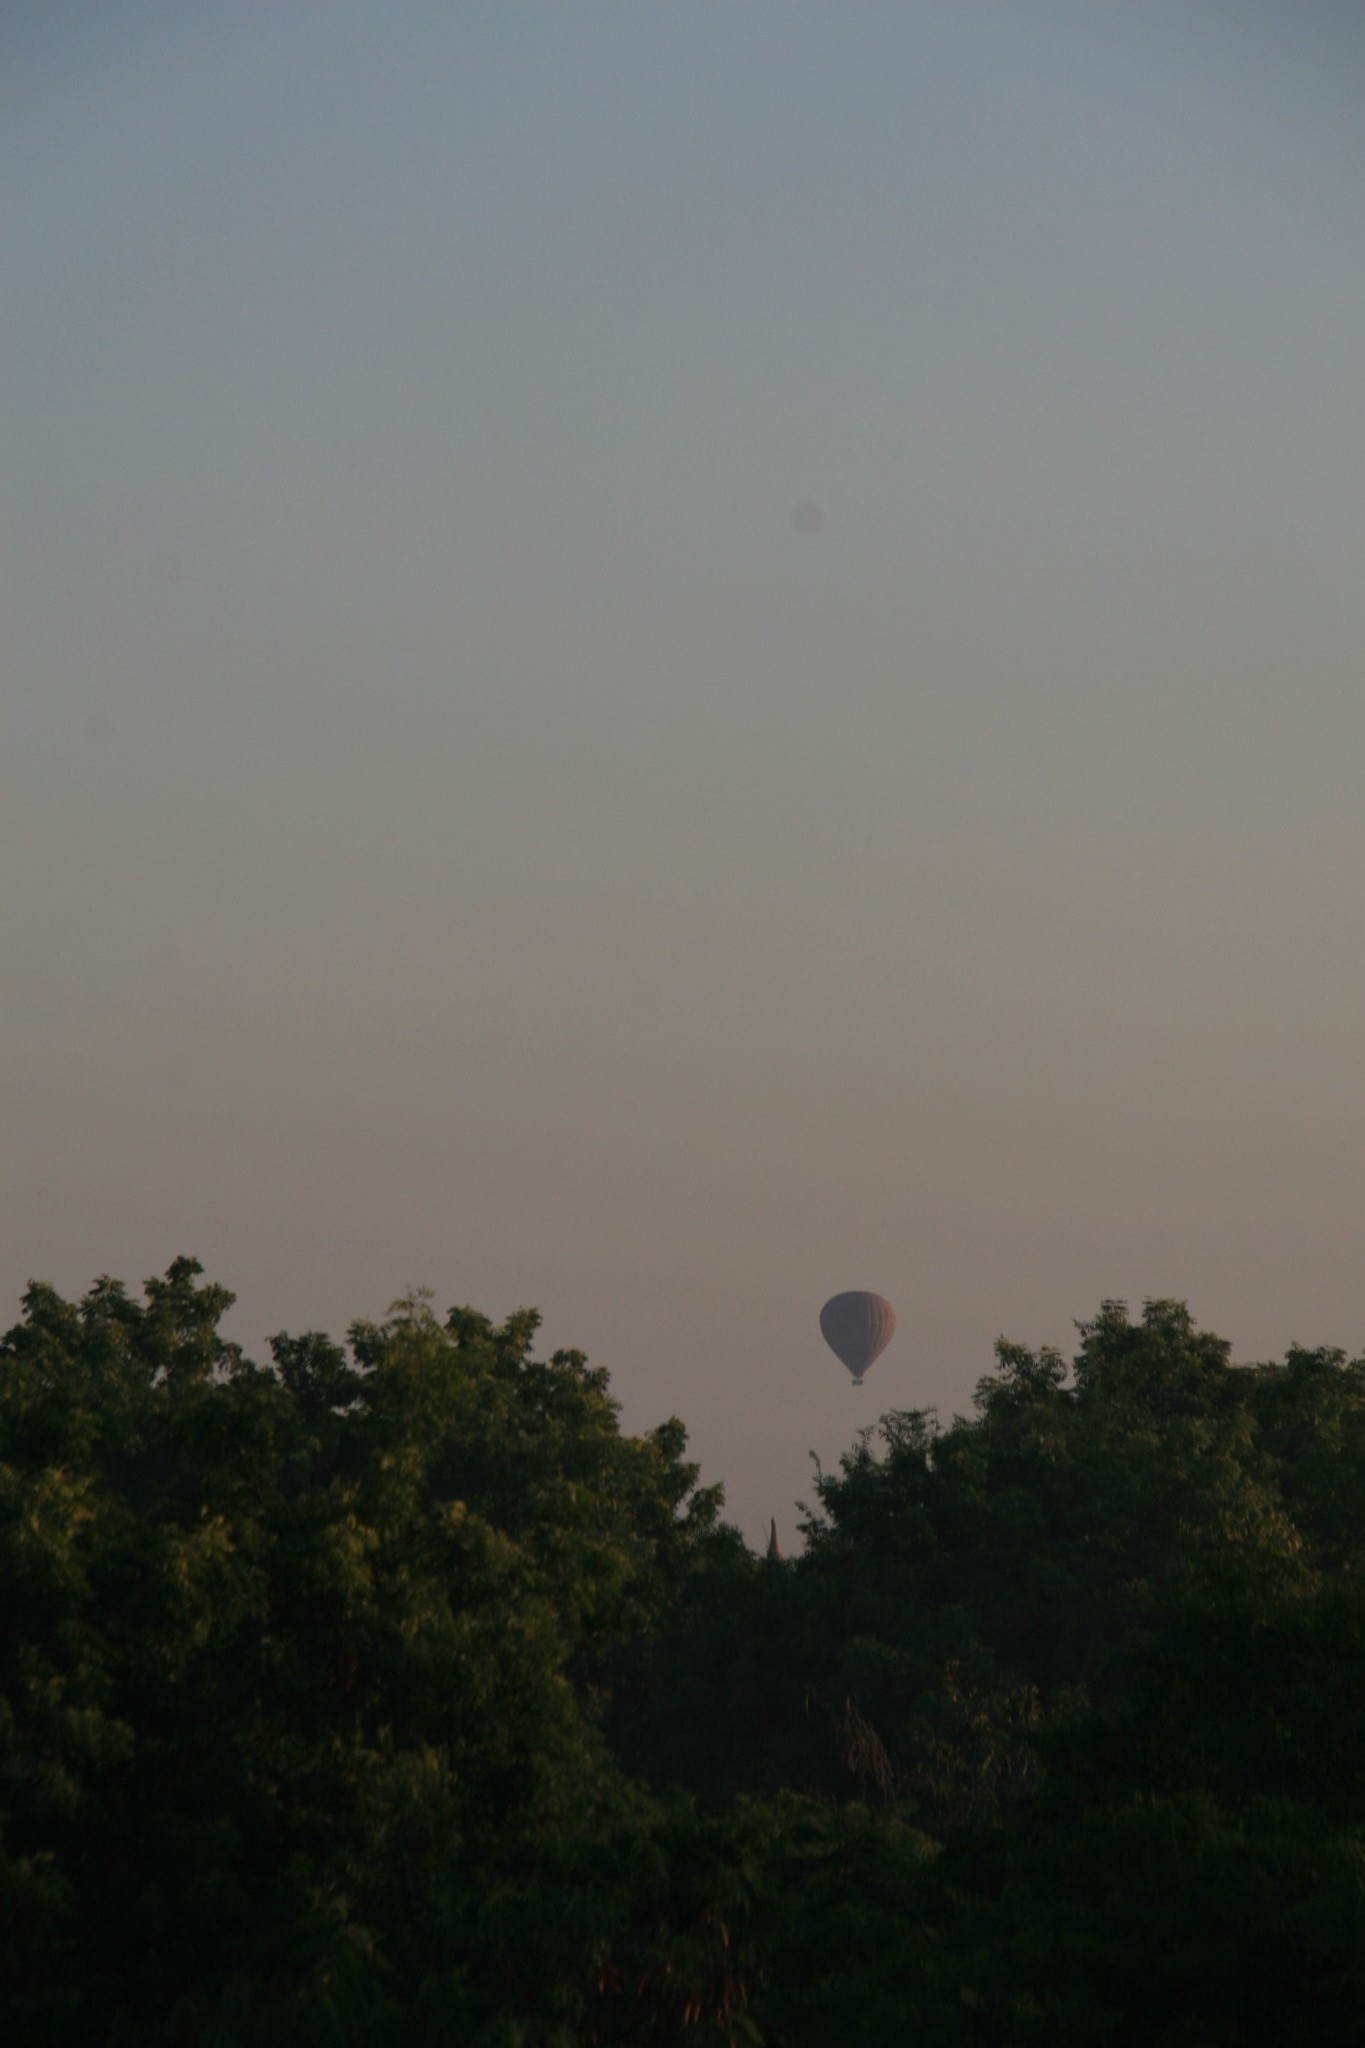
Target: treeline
{"x":388,"y":1694}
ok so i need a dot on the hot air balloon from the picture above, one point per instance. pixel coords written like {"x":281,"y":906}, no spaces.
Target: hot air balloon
{"x":857,"y":1328}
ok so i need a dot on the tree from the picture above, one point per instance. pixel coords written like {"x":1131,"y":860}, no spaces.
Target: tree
{"x":296,"y":1707}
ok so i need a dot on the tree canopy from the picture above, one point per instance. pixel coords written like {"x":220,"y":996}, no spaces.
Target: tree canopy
{"x":388,"y":1692}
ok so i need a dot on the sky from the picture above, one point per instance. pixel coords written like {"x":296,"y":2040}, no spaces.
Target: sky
{"x":662,"y":660}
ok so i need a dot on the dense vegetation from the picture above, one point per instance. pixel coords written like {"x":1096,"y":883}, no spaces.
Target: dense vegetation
{"x":391,"y":1695}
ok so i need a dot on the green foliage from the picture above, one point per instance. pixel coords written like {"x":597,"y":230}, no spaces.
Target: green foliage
{"x":963,"y":1588}
{"x":1106,"y":1640}
{"x":388,"y":1694}
{"x":295,"y":1681}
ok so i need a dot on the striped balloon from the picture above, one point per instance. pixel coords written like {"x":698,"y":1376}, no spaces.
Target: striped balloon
{"x":857,"y":1328}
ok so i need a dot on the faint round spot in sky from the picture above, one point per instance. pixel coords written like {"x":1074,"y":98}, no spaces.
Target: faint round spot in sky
{"x":167,"y":566}
{"x":807,"y":517}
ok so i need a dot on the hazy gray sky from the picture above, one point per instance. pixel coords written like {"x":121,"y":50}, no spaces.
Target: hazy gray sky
{"x":467,"y":820}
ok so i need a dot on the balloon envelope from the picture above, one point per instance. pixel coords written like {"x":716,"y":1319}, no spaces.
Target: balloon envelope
{"x":857,"y":1327}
